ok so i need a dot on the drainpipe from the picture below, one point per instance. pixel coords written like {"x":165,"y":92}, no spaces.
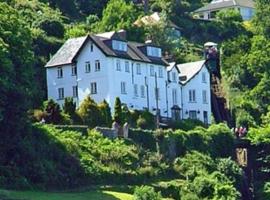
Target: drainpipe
{"x":182,"y":105}
{"x":147,"y":92}
{"x":167,"y":104}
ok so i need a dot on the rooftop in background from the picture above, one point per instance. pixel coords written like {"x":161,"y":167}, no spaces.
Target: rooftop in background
{"x":220,"y":4}
{"x":152,"y":19}
{"x":190,"y":70}
{"x":135,"y":51}
{"x":246,"y":8}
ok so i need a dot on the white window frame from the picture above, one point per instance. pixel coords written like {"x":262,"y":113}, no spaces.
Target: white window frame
{"x":73,"y":70}
{"x":87,"y":67}
{"x":192,"y":96}
{"x":93,"y":88}
{"x":75,"y":91}
{"x":61,"y":93}
{"x":59,"y":72}
{"x":119,"y":45}
{"x":138,"y":69}
{"x":127,"y":66}
{"x":123,"y":88}
{"x":97,"y":65}
{"x":204,"y":96}
{"x":118,"y":65}
{"x":192,"y":114}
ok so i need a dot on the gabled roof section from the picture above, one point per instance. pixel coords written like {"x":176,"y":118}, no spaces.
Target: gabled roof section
{"x":190,"y":70}
{"x":67,"y":52}
{"x":222,"y":4}
{"x":171,"y":66}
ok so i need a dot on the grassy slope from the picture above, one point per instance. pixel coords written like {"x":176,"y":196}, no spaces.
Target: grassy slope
{"x":95,"y":195}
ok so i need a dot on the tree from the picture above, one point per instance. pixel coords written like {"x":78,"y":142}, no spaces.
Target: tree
{"x":16,"y":68}
{"x":105,"y":111}
{"x":118,"y":114}
{"x":52,"y":112}
{"x":89,"y":112}
{"x":69,"y":108}
{"x":122,"y":19}
{"x":262,"y":18}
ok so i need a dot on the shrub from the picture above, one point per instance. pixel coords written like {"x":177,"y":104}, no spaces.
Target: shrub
{"x":118,"y":115}
{"x":52,"y":112}
{"x":105,"y":111}
{"x":146,"y":193}
{"x":89,"y":112}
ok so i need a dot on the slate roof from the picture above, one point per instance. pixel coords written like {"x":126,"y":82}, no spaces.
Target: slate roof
{"x":221,"y":4}
{"x":70,"y":50}
{"x":190,"y":70}
{"x":67,"y":52}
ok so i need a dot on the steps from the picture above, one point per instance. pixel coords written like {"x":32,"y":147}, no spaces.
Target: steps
{"x":219,"y":104}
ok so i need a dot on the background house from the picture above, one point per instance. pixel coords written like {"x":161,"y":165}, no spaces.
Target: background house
{"x":208,"y":12}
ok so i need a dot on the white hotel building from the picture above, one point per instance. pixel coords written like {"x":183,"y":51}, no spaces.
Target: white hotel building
{"x":106,"y":66}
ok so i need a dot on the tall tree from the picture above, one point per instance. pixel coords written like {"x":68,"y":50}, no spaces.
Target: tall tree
{"x":16,"y":80}
{"x":118,"y":15}
{"x":118,"y":114}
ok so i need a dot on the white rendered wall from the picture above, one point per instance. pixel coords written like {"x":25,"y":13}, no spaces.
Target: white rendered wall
{"x":171,"y":86}
{"x":66,"y":82}
{"x":198,"y":85}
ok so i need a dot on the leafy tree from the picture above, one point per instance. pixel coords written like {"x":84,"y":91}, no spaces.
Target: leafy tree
{"x":262,"y":19}
{"x":122,"y":19}
{"x":89,"y":112}
{"x":118,"y":114}
{"x":105,"y":111}
{"x":69,"y":108}
{"x":52,"y":112}
{"x":16,"y":70}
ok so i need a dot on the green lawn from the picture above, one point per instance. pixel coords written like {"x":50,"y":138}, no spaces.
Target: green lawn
{"x":95,"y":195}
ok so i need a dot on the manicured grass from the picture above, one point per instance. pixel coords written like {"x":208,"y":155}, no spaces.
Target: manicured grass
{"x":95,"y":195}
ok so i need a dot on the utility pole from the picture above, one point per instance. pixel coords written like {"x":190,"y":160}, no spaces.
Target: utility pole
{"x":156,"y":94}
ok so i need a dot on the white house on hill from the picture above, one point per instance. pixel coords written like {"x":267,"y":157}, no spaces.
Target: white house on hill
{"x":245,"y":7}
{"x":106,"y":66}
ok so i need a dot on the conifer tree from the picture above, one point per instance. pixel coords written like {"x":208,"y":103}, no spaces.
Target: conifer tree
{"x":118,"y":114}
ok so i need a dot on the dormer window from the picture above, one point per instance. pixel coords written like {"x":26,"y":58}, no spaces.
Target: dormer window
{"x":154,"y":51}
{"x":119,"y":45}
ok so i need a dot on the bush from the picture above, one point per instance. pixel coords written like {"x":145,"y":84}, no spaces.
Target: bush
{"x":146,"y":193}
{"x":89,"y":112}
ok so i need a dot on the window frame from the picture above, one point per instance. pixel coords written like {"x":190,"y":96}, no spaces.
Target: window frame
{"x":123,"y":87}
{"x":61,"y":93}
{"x":75,"y":91}
{"x":118,"y":65}
{"x":60,"y":72}
{"x":97,"y":65}
{"x":93,"y":88}
{"x":87,"y":67}
{"x":73,"y":70}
